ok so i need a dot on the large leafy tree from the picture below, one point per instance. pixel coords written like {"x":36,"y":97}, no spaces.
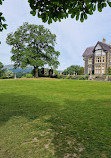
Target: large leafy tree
{"x":53,"y":10}
{"x":33,"y":45}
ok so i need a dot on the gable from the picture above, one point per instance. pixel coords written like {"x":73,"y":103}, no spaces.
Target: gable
{"x":98,"y":47}
{"x":98,"y":51}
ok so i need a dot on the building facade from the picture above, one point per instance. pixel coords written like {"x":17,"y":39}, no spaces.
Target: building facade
{"x":97,"y":59}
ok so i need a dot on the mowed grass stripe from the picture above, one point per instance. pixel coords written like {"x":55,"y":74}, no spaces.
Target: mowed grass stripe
{"x":55,"y":118}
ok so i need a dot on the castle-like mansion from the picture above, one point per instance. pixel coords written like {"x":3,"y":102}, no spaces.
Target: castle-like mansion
{"x":97,"y":58}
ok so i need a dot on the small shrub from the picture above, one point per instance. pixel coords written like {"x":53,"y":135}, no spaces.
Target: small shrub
{"x":109,"y":70}
{"x":29,"y":76}
{"x":81,"y":78}
{"x":23,"y":77}
{"x":68,"y":77}
{"x":86,"y":77}
{"x":60,"y":76}
{"x":74,"y":77}
{"x":9,"y":74}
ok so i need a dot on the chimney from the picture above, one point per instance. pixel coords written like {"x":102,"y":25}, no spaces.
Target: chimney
{"x":104,"y":40}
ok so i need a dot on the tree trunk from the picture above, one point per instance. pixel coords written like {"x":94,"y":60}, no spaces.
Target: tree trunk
{"x":36,"y":72}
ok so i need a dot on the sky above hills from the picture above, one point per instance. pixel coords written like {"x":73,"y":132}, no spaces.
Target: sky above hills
{"x":73,"y":37}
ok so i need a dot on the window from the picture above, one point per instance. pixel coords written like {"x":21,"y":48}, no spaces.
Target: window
{"x":98,"y":59}
{"x":89,"y":60}
{"x":103,"y":59}
{"x":89,"y":70}
{"x":97,"y":70}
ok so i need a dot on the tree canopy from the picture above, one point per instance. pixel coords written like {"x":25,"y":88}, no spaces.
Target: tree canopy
{"x":2,"y":19}
{"x":73,"y":69}
{"x":33,"y":45}
{"x":53,"y":10}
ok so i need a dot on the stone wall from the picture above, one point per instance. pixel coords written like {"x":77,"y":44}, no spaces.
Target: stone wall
{"x":87,"y":77}
{"x":99,"y":77}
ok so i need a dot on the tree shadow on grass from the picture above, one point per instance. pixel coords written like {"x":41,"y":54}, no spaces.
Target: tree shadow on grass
{"x":81,"y":129}
{"x":27,"y":106}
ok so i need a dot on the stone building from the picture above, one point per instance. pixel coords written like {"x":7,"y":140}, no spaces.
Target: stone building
{"x":44,"y":72}
{"x":97,"y":58}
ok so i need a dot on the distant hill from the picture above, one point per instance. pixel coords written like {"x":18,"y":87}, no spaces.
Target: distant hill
{"x":28,"y":69}
{"x":11,"y":68}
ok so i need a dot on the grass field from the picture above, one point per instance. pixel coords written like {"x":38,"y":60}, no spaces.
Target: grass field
{"x":55,"y":119}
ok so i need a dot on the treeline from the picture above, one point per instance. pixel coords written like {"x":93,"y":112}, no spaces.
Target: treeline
{"x":74,"y":70}
{"x":9,"y":72}
{"x":20,"y":70}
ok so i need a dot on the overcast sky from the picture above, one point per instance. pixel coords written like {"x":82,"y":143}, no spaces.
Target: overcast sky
{"x":73,"y":37}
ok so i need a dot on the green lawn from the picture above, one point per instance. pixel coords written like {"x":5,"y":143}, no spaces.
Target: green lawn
{"x":55,"y":119}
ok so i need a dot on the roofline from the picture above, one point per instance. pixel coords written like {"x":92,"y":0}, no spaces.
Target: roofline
{"x":87,"y":56}
{"x":86,"y":49}
{"x":101,"y":46}
{"x":95,"y":46}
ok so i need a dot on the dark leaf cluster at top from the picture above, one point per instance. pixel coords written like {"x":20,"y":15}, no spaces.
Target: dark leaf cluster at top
{"x":2,"y":19}
{"x":53,"y":10}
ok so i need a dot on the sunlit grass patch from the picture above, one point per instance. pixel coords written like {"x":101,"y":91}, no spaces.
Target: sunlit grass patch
{"x":20,"y":136}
